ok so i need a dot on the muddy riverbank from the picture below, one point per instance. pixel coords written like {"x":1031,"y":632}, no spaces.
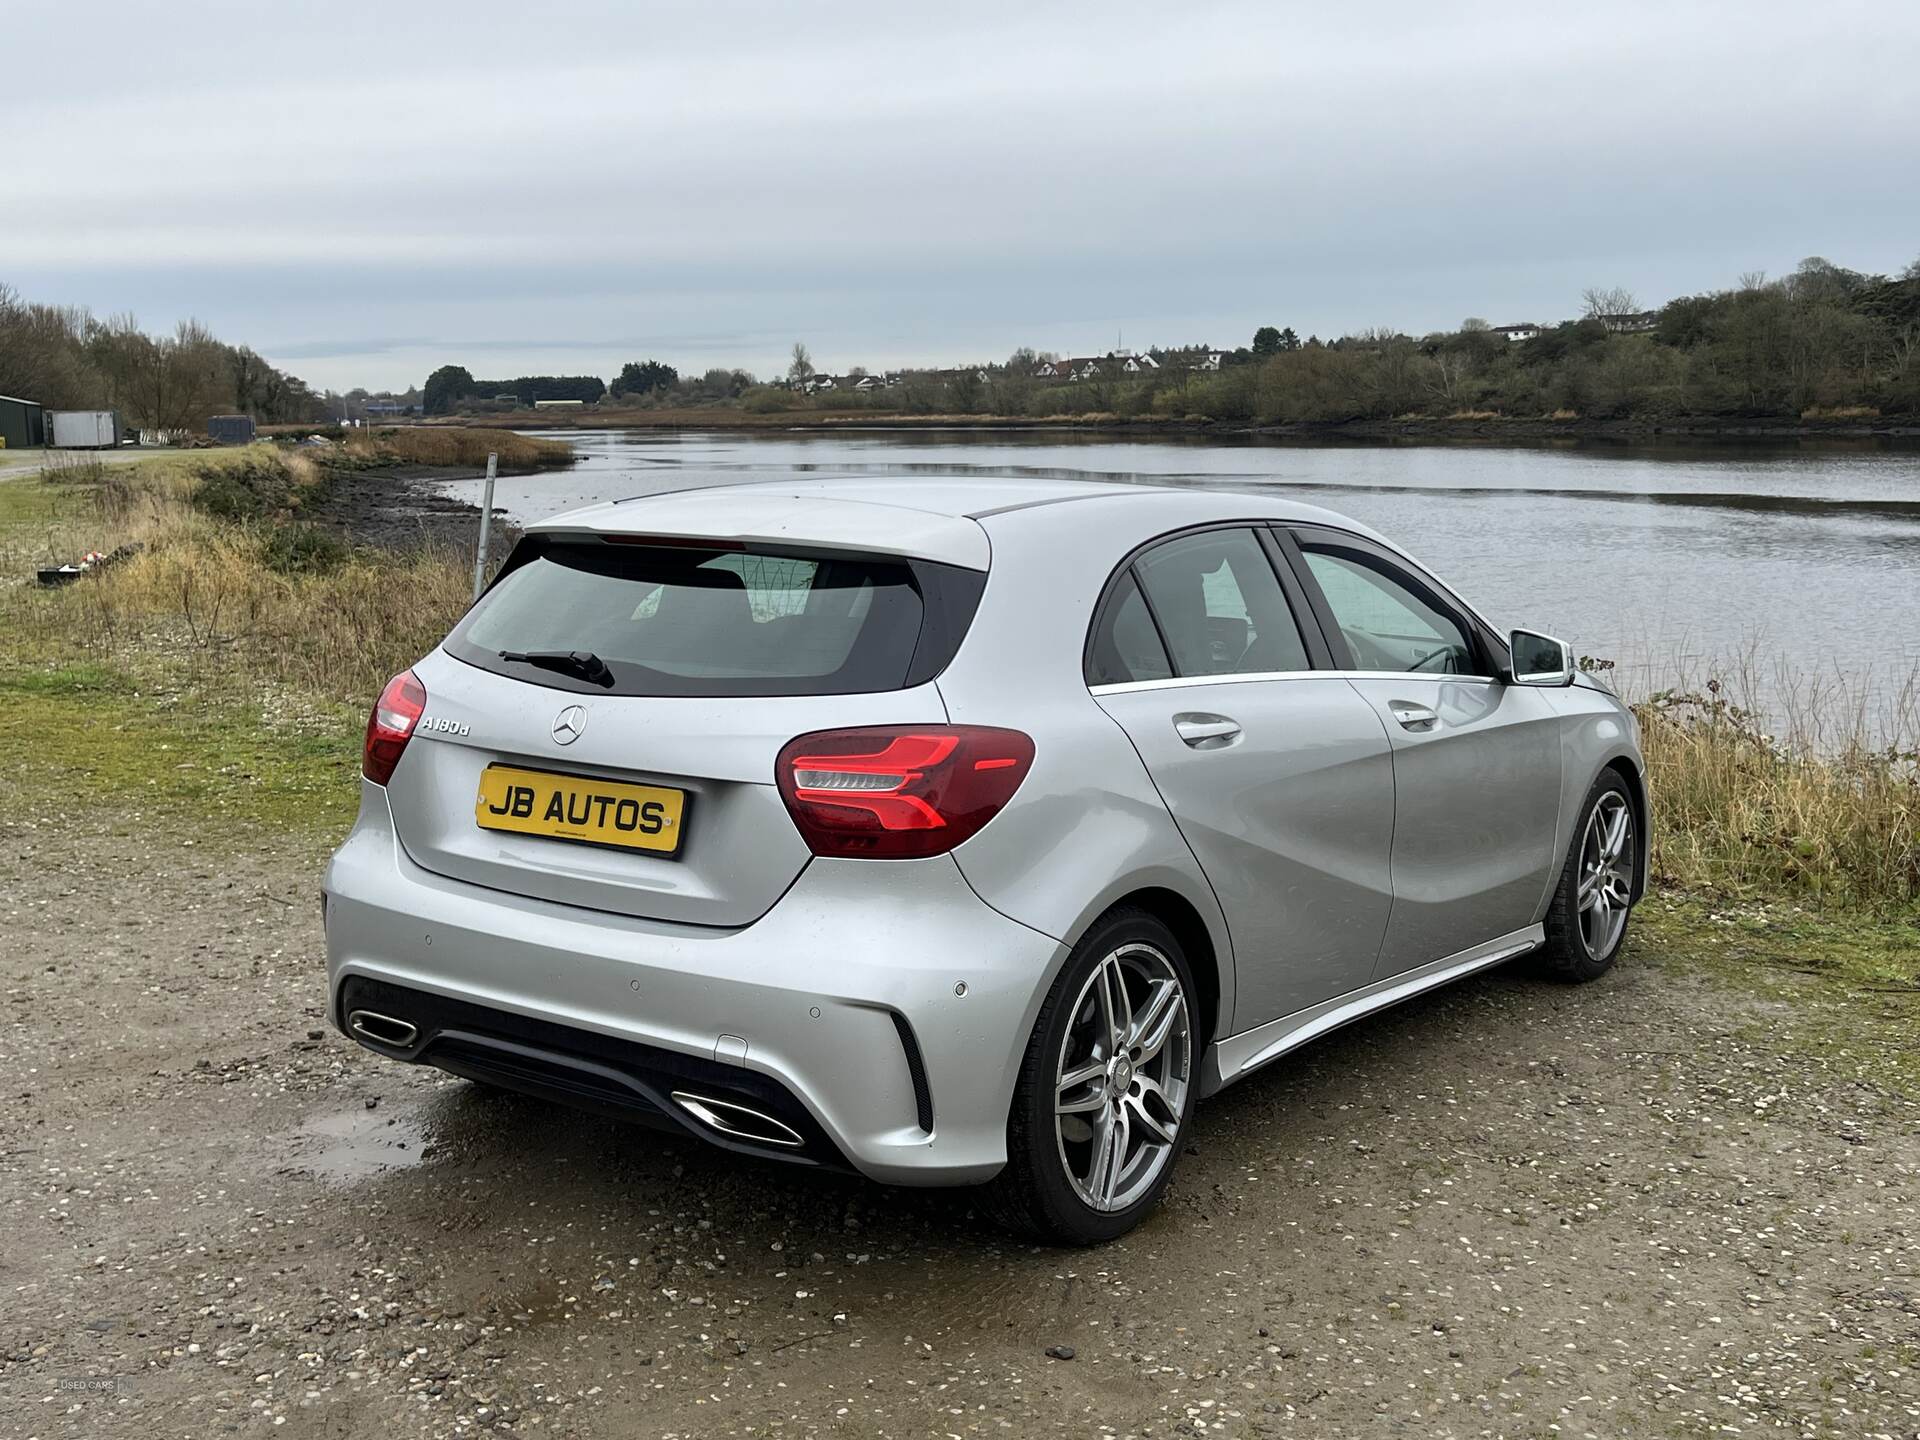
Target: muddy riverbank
{"x":404,"y":507}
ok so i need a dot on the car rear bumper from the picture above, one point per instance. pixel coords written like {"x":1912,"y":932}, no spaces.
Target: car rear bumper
{"x":815,"y":1017}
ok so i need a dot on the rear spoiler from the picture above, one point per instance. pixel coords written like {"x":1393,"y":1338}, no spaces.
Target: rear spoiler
{"x":736,"y":519}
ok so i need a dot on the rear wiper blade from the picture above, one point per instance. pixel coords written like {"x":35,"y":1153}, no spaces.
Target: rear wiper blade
{"x":583,"y":663}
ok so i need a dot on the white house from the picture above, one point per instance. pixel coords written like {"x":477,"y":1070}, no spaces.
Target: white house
{"x":1517,"y":332}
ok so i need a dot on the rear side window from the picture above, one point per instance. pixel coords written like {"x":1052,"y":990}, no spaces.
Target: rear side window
{"x":1220,"y":606}
{"x":644,"y":619}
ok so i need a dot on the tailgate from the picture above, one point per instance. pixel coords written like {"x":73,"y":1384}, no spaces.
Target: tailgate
{"x":738,"y":850}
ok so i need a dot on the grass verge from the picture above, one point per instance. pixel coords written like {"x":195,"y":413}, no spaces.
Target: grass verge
{"x":87,"y":738}
{"x":228,"y":585}
{"x":1840,"y":987}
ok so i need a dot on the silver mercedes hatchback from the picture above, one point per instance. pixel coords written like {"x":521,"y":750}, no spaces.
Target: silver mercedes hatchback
{"x":962,"y":832}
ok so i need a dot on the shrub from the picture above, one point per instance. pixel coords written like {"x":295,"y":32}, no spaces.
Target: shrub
{"x":254,"y":487}
{"x":304,"y":549}
{"x":768,"y":400}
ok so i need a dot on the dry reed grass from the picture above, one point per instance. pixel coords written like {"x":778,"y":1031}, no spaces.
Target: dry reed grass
{"x":1775,"y":782}
{"x":447,"y":445}
{"x":200,"y":593}
{"x":1841,"y":412}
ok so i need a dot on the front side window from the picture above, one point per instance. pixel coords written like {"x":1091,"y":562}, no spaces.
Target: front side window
{"x":1220,"y":606}
{"x":1388,"y":620}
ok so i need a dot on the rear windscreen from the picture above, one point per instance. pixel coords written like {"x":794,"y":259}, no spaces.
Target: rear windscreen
{"x":638,"y":619}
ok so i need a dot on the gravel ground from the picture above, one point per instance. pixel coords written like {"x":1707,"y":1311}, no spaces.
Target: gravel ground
{"x":1633,"y":1209}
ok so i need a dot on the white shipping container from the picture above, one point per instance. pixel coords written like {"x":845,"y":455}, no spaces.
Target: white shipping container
{"x":83,"y":429}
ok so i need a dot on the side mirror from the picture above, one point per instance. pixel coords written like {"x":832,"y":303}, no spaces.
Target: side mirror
{"x":1540,"y":659}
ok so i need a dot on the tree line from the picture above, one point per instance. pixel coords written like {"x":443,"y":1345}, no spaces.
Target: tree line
{"x":66,"y":358}
{"x":1823,"y":341}
{"x":452,"y":388}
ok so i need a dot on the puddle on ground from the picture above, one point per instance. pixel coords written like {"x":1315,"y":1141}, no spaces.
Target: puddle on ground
{"x":355,"y":1144}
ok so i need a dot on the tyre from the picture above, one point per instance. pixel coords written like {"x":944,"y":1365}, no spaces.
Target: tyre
{"x":1106,"y":1088}
{"x":1587,"y":922}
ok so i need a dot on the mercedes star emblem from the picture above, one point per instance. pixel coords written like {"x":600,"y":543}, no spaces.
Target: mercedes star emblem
{"x":568,"y":724}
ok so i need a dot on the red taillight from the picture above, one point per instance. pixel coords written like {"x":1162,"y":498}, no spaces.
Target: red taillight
{"x":391,"y":724}
{"x":897,"y":792}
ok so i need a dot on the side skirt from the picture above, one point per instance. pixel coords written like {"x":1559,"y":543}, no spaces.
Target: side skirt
{"x":1241,"y":1054}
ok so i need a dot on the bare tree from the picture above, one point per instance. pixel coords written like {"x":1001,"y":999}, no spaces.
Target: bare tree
{"x":1448,"y":381}
{"x":1607,"y":304}
{"x":1474,"y":325}
{"x":800,"y":367}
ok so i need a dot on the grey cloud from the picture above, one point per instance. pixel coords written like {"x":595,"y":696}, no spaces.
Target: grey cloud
{"x":707,"y":186}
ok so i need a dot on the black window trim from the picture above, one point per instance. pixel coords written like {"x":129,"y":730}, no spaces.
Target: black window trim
{"x":1486,"y":646}
{"x":1305,"y":619}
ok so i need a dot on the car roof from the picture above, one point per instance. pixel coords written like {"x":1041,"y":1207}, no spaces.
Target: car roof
{"x":930,"y":517}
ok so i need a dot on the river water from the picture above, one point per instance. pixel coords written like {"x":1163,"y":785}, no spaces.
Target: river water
{"x":1792,"y":571}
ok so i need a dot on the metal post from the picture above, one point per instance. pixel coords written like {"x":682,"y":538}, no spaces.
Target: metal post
{"x":486,"y":528}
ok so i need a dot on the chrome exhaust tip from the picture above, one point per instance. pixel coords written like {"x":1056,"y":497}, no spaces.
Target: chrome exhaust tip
{"x":737,"y":1122}
{"x":382,"y":1029}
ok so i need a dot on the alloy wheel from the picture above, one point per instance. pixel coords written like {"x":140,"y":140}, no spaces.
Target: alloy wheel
{"x":1120,"y":1084}
{"x":1606,"y":874}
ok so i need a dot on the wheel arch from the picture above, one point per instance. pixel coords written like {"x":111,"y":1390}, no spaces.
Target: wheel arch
{"x":1189,"y":927}
{"x":1630,"y":773}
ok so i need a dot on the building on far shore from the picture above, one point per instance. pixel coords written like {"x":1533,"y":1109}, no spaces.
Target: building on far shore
{"x":23,"y":424}
{"x":559,"y":404}
{"x":1518,"y":332}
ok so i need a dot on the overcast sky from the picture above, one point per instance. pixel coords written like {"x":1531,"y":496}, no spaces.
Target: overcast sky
{"x":365,"y":192}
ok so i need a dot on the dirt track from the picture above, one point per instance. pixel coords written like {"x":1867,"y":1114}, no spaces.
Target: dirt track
{"x":1510,"y":1209}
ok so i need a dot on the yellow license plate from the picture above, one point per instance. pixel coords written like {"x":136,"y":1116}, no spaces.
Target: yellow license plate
{"x":575,"y":807}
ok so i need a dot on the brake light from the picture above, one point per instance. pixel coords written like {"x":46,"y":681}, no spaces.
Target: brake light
{"x":899,"y":792}
{"x":391,"y":724}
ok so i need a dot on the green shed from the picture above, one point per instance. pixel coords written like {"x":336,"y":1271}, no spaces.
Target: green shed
{"x":23,"y":424}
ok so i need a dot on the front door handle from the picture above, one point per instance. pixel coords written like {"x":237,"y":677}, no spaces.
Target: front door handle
{"x":1205,"y":731}
{"x":1412,"y":716}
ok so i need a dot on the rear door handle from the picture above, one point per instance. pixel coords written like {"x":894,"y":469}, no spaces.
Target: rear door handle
{"x":1412,"y":716}
{"x":1205,"y":731}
